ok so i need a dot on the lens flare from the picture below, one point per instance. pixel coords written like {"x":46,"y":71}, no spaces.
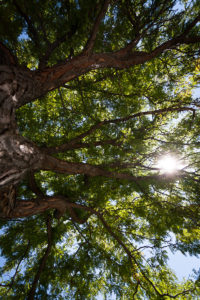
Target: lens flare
{"x":169,"y":164}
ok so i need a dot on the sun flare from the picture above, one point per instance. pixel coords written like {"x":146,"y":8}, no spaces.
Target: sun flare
{"x":169,"y":164}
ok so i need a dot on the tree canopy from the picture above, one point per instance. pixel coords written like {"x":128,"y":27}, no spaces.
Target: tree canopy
{"x":93,"y":94}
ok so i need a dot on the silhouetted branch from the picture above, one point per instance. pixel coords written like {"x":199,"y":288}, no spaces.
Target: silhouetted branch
{"x":90,"y":43}
{"x":52,"y":46}
{"x":31,"y":293}
{"x":119,"y":120}
{"x":73,"y":146}
{"x":133,"y":259}
{"x":29,"y":22}
{"x":25,"y":208}
{"x":33,"y":185}
{"x":16,"y":271}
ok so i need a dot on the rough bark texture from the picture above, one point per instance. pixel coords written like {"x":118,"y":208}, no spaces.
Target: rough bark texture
{"x":19,"y":85}
{"x":19,"y":156}
{"x":27,"y":208}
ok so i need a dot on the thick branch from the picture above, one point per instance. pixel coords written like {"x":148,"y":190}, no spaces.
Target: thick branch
{"x":26,"y":208}
{"x":53,"y":164}
{"x":192,"y":39}
{"x":56,"y":76}
{"x":6,"y":57}
{"x":51,"y":78}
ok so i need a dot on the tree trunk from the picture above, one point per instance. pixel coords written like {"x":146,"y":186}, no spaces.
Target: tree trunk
{"x":17,"y":155}
{"x":19,"y":85}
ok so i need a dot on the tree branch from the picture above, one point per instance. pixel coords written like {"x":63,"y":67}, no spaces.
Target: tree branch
{"x":96,"y":126}
{"x":128,"y":252}
{"x":192,"y":39}
{"x":31,"y":293}
{"x":31,"y":28}
{"x":73,"y":146}
{"x":181,"y":39}
{"x":133,"y":259}
{"x":6,"y":57}
{"x":16,"y":271}
{"x":56,"y":165}
{"x":90,"y":43}
{"x":190,"y":25}
{"x":52,"y":46}
{"x":51,"y":78}
{"x":33,"y":185}
{"x":26,"y":208}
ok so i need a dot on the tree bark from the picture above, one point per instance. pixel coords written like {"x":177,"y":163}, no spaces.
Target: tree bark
{"x":27,"y":208}
{"x":17,"y":157}
{"x":19,"y":85}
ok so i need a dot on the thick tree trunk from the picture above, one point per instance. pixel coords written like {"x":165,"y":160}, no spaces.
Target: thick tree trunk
{"x":19,"y":85}
{"x":7,"y":99}
{"x":17,"y":155}
{"x":16,"y":83}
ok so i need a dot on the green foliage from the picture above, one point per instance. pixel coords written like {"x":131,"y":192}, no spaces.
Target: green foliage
{"x":87,"y":259}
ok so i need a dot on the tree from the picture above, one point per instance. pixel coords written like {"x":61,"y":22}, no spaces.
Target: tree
{"x":92,"y":94}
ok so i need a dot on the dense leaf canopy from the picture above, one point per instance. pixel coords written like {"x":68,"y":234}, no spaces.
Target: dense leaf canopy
{"x":112,"y":92}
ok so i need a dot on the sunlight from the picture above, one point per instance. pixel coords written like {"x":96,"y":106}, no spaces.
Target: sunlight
{"x":169,"y":164}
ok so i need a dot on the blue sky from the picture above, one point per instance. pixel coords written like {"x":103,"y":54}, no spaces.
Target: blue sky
{"x":183,"y":264}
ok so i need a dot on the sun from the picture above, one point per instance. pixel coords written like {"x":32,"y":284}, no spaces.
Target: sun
{"x":169,"y":164}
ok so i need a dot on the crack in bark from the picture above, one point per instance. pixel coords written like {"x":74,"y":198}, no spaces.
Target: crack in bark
{"x":19,"y":85}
